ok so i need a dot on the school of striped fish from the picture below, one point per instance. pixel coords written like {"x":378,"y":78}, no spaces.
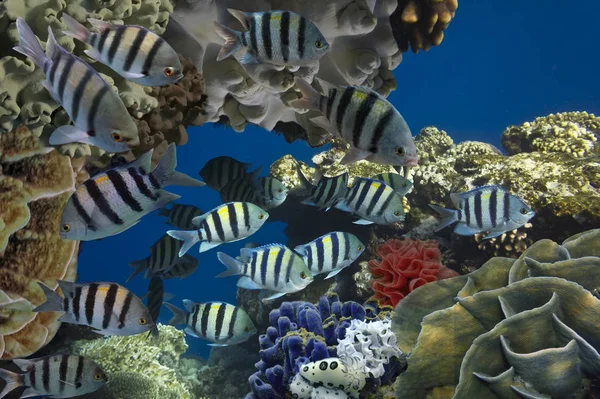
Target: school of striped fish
{"x":117,"y":198}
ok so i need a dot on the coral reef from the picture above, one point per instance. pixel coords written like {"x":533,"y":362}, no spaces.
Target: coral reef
{"x":141,"y":357}
{"x":36,"y":183}
{"x":524,"y":327}
{"x":367,"y":41}
{"x":405,"y":265}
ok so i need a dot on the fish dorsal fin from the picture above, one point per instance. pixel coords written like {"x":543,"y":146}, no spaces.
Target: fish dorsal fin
{"x":324,"y":86}
{"x":457,"y":197}
{"x":67,"y":287}
{"x":52,"y":46}
{"x":144,"y":162}
{"x":189,"y":305}
{"x":23,"y":364}
{"x":100,"y":25}
{"x":241,"y":16}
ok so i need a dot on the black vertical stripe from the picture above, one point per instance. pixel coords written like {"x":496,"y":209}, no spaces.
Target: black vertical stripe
{"x":125,"y":309}
{"x":288,"y":269}
{"x":363,"y":194}
{"x":264,"y":263}
{"x":380,"y":128}
{"x":204,"y":319}
{"x":65,"y":306}
{"x":376,"y":198}
{"x":64,"y":76}
{"x":246,"y":216}
{"x":151,"y":55}
{"x":343,"y":106}
{"x":46,"y":374}
{"x":266,"y":35}
{"x":123,"y":191}
{"x":195,"y":312}
{"x":478,"y":213}
{"x":79,"y":372}
{"x":330,"y":100}
{"x":93,"y":38}
{"x":253,"y":33}
{"x":116,"y":42}
{"x":32,"y":375}
{"x":253,"y":262}
{"x":232,"y":322}
{"x":103,"y":37}
{"x":52,"y":74}
{"x":77,"y":302}
{"x":134,"y":49}
{"x":467,"y":211}
{"x":361,"y":117}
{"x":332,"y":189}
{"x":162,"y":251}
{"x":62,"y":372}
{"x":101,"y":202}
{"x":218,"y":225}
{"x":506,"y":205}
{"x":320,"y":190}
{"x":335,"y":249}
{"x":386,"y":203}
{"x":90,"y":302}
{"x":82,"y":212}
{"x":346,"y":246}
{"x":493,"y":204}
{"x":284,"y":34}
{"x":154,"y":181}
{"x":278,"y":266}
{"x":109,"y":304}
{"x":45,"y":67}
{"x":301,"y":38}
{"x":206,"y":230}
{"x":141,"y":184}
{"x":94,"y":109}
{"x":244,"y":39}
{"x":309,"y":256}
{"x":320,"y":254}
{"x":460,"y":215}
{"x":233,"y":220}
{"x":354,"y":191}
{"x":78,"y":94}
{"x":220,"y":320}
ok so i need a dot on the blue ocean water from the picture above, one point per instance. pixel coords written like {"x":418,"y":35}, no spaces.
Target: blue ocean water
{"x":501,"y":63}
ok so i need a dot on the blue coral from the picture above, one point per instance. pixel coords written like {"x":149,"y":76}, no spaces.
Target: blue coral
{"x":301,"y":332}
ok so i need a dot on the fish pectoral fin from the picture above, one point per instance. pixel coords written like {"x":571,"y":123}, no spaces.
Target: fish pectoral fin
{"x":30,"y":393}
{"x":217,"y":344}
{"x":247,"y":283}
{"x":363,"y":222}
{"x":342,"y":206}
{"x":205,"y":246}
{"x":353,"y":155}
{"x":191,"y":332}
{"x":333,"y":273}
{"x":249,"y":59}
{"x":131,"y":75}
{"x":66,"y":382}
{"x":463,"y":230}
{"x":323,"y":123}
{"x":274,"y":296}
{"x":92,"y":53}
{"x":69,"y":134}
{"x":493,"y":234}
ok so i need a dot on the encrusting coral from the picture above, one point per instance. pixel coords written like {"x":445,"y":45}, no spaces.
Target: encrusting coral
{"x":517,"y":328}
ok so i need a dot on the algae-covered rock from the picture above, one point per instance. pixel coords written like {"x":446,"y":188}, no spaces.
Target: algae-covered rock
{"x":514,"y":328}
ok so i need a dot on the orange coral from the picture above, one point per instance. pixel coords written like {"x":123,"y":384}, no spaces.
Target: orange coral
{"x":421,"y":23}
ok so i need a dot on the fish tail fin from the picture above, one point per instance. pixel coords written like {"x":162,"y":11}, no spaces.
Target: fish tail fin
{"x":311,"y":98}
{"x":178,"y":314}
{"x":166,"y":174}
{"x":54,"y":302}
{"x":241,"y":16}
{"x":232,"y":40}
{"x":29,"y":44}
{"x":164,"y":212}
{"x":306,"y":185}
{"x":13,"y":381}
{"x":449,"y":216}
{"x":75,"y":29}
{"x":234,"y":266}
{"x":189,"y":238}
{"x":138,"y":267}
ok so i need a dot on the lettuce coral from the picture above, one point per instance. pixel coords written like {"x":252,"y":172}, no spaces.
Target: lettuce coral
{"x":405,"y":265}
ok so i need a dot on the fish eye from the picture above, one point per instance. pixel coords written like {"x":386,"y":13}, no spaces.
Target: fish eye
{"x":66,"y":228}
{"x":397,"y":213}
{"x":400,"y":150}
{"x":247,"y":329}
{"x":98,"y":377}
{"x":142,"y":321}
{"x":261,"y":216}
{"x":318,"y":44}
{"x":169,"y":71}
{"x":524,"y":211}
{"x":280,"y":190}
{"x":359,"y":247}
{"x":302,"y":275}
{"x":405,"y":184}
{"x":117,"y":137}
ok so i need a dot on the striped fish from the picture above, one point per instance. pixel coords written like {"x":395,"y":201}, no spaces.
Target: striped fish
{"x":229,"y":222}
{"x":134,"y":52}
{"x":111,"y":202}
{"x":164,"y":254}
{"x":181,"y":216}
{"x":99,"y":116}
{"x":156,"y":291}
{"x":218,"y":322}
{"x":272,"y":192}
{"x":489,"y":209}
{"x":56,"y":376}
{"x":399,"y":183}
{"x":186,"y":266}
{"x":330,"y":253}
{"x":242,"y":189}
{"x":219,"y":171}
{"x":368,"y":122}
{"x":108,"y":308}
{"x":373,"y":201}
{"x":273,"y":37}
{"x":328,"y":191}
{"x":273,"y":267}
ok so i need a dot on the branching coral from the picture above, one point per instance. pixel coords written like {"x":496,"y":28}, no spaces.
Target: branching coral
{"x":404,"y":266}
{"x":521,"y":328}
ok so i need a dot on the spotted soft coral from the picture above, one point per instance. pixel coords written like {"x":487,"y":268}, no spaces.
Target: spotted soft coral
{"x":405,"y":265}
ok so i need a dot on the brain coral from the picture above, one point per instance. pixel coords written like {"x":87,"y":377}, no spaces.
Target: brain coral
{"x":518,"y":328}
{"x":35,"y":184}
{"x":367,"y":39}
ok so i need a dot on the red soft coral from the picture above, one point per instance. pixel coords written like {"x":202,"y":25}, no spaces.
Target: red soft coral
{"x":405,"y":265}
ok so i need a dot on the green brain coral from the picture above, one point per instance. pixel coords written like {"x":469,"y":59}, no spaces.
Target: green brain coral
{"x":154,"y":358}
{"x":522,"y":328}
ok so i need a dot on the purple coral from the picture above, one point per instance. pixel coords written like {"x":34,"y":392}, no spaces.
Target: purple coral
{"x":301,"y":332}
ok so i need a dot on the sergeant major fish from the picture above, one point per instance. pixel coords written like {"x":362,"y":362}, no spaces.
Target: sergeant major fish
{"x":134,"y":52}
{"x":272,"y":192}
{"x":180,"y":215}
{"x":112,"y":202}
{"x":374,"y":202}
{"x":229,"y":222}
{"x":218,"y":322}
{"x":327,"y":192}
{"x":187,"y":265}
{"x":273,"y":37}
{"x":219,"y":171}
{"x":399,"y":183}
{"x":273,"y":267}
{"x":156,"y":292}
{"x":368,"y":122}
{"x":56,"y":376}
{"x":164,"y":253}
{"x":108,"y":308}
{"x":242,"y":189}
{"x":484,"y":209}
{"x":99,"y":116}
{"x":330,"y":253}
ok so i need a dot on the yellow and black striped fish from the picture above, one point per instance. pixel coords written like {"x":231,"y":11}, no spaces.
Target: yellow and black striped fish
{"x":180,"y":215}
{"x":113,"y":201}
{"x":98,"y":114}
{"x":218,"y":322}
{"x":272,"y":267}
{"x":229,"y":222}
{"x":273,"y":37}
{"x":330,"y":253}
{"x":108,"y":308}
{"x":134,"y":52}
{"x":56,"y":376}
{"x":373,"y":201}
{"x":399,"y":183}
{"x":164,"y":254}
{"x":327,"y":192}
